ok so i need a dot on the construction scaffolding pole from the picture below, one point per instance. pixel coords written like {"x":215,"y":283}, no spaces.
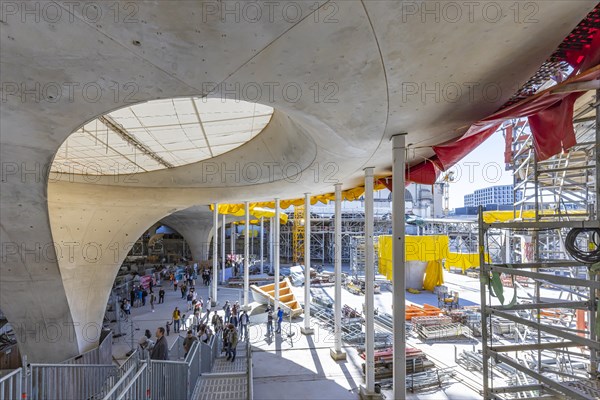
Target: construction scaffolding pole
{"x":215,"y":263}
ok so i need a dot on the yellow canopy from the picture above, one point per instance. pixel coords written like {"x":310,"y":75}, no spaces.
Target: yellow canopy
{"x":238,"y":209}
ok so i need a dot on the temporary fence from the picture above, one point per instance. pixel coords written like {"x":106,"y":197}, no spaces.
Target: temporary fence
{"x":11,"y":385}
{"x":69,"y":381}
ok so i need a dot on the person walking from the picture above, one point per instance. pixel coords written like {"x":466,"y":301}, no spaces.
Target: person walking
{"x":161,"y":296}
{"x":227,"y":309}
{"x":189,"y":299}
{"x":160,"y":351}
{"x":244,"y":321}
{"x":188,"y":342}
{"x":208,"y":308}
{"x":269,"y":322}
{"x":127,"y":308}
{"x":234,"y":314}
{"x":279,"y":319}
{"x":232,"y":341}
{"x":152,"y":300}
{"x":176,"y":320}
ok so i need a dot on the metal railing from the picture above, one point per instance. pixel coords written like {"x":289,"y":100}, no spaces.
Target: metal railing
{"x":168,"y":380}
{"x":138,"y":387}
{"x":132,"y":361}
{"x":11,"y":385}
{"x":121,"y":383}
{"x":69,"y":381}
{"x":250,"y":372}
{"x":193,"y":363}
{"x":209,"y":352}
{"x":99,"y":355}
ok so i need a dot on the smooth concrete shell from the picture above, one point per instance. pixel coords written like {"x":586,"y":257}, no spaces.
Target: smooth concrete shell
{"x":343,"y":79}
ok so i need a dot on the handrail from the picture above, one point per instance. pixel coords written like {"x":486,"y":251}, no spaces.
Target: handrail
{"x":133,"y":381}
{"x":119,"y":383}
{"x":7,"y":376}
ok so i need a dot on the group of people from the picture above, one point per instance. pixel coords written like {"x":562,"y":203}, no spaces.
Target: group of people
{"x":138,"y":296}
{"x":158,"y":349}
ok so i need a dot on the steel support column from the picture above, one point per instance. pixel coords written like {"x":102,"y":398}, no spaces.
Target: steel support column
{"x":246,"y":255}
{"x":262,"y":245}
{"x":307,"y":330}
{"x":369,"y":389}
{"x":336,"y":352}
{"x":223,"y":258}
{"x":398,"y":263}
{"x":276,"y":245}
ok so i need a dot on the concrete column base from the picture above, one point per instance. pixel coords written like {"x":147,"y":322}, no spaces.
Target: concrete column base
{"x":337,"y":355}
{"x":246,"y":308}
{"x":365,"y":395}
{"x":307,"y":331}
{"x":213,"y":304}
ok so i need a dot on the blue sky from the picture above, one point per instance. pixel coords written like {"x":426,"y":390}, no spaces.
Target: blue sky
{"x":483,"y":167}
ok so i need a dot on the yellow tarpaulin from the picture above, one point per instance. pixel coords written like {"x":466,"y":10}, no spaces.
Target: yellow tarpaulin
{"x":434,"y":275}
{"x":239,"y":210}
{"x":464,"y":260}
{"x":418,"y":248}
{"x":349,"y":194}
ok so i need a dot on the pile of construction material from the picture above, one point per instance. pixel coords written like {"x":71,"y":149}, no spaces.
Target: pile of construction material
{"x":416,"y":361}
{"x":425,"y":311}
{"x":439,"y":327}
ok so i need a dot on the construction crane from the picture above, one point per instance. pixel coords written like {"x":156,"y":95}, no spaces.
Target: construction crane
{"x":447,"y":179}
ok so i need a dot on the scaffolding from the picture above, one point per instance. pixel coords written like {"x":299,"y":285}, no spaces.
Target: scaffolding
{"x":298,"y":234}
{"x":543,"y":343}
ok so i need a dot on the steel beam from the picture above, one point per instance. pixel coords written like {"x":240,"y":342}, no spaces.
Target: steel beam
{"x":307,"y":330}
{"x":276,"y":247}
{"x":246,"y":255}
{"x":559,"y":332}
{"x":215,"y":263}
{"x":547,"y":381}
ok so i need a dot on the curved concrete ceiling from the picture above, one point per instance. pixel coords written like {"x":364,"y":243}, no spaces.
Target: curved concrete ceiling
{"x":160,"y":134}
{"x":342,"y":78}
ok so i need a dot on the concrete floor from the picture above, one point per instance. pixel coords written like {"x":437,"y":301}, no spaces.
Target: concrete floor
{"x":300,"y":367}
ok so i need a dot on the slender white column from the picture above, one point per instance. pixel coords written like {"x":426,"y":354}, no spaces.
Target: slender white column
{"x":232,"y":229}
{"x":247,"y":256}
{"x":215,"y":264}
{"x":262,"y":244}
{"x":307,"y":330}
{"x":369,"y":285}
{"x":271,"y":243}
{"x":398,"y":262}
{"x":223,"y":259}
{"x":336,"y":352}
{"x":276,"y":252}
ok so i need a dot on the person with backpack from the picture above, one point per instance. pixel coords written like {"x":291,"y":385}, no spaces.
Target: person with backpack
{"x":232,"y":341}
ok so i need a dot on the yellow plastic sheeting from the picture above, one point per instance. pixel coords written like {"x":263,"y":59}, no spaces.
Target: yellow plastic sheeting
{"x":239,"y":210}
{"x":349,"y":194}
{"x":434,"y":275}
{"x":503,"y":216}
{"x":418,"y":248}
{"x":464,"y":260}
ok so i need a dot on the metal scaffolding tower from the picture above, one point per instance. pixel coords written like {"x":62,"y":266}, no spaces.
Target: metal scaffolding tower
{"x":539,"y":305}
{"x":298,"y":234}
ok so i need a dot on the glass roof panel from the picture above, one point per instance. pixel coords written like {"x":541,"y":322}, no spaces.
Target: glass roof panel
{"x":161,"y":134}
